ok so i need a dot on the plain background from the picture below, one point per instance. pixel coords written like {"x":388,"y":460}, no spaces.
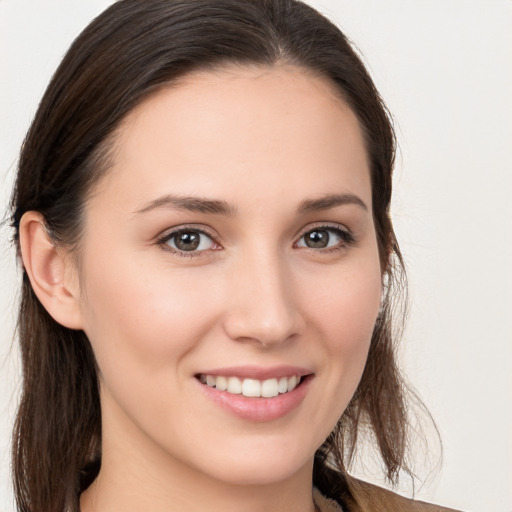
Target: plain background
{"x":445,"y":69}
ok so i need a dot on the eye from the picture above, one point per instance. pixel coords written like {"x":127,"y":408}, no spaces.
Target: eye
{"x":188,"y":240}
{"x":325,"y":237}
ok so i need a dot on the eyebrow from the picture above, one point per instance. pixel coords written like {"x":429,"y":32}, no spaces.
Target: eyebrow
{"x":217,"y":207}
{"x":191,"y":204}
{"x":330,"y":201}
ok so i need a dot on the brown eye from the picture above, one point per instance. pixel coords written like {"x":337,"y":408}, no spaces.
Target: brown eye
{"x":317,"y":239}
{"x":325,"y":238}
{"x":189,"y":241}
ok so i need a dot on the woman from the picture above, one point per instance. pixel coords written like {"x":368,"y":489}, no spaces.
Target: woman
{"x":202,"y":212}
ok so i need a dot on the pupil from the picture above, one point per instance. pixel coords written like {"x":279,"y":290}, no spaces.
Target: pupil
{"x":317,"y":239}
{"x":187,"y":241}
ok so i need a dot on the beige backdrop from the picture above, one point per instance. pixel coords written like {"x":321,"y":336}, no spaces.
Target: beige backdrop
{"x":445,"y":69}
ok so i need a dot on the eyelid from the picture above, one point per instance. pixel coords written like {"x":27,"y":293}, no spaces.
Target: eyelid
{"x":162,"y":239}
{"x":166,"y":235}
{"x":345,"y":233}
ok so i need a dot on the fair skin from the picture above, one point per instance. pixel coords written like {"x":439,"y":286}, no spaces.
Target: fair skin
{"x":263,"y":282}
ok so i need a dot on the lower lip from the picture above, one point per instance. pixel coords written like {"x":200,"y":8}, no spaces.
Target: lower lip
{"x":259,"y":409}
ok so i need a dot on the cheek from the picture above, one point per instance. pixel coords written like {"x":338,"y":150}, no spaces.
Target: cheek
{"x":342,"y":305}
{"x":346,"y":312}
{"x":142,"y":318}
{"x":348,"y":308}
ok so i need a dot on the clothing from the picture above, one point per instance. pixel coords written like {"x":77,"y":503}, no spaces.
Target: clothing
{"x":365,"y":497}
{"x":323,"y":504}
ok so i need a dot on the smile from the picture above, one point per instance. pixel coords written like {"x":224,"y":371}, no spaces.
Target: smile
{"x":252,"y":388}
{"x":257,"y":394}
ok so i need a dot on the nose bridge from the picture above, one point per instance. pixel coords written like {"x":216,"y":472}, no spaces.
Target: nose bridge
{"x":262,"y":306}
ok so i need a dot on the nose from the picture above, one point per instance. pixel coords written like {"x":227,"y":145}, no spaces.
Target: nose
{"x":262,"y":306}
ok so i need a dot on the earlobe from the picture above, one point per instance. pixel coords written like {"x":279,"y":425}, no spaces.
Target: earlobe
{"x":48,"y":268}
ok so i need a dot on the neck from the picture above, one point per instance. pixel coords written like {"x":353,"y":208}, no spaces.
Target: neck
{"x":107,"y":495}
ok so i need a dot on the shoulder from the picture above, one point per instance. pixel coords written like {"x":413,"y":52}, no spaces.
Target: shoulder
{"x":368,"y":497}
{"x":358,"y":496}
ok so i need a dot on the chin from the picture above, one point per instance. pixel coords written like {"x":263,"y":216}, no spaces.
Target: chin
{"x":259,"y":467}
{"x":250,"y":475}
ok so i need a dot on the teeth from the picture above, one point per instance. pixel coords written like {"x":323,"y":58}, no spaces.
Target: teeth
{"x":282,"y":387}
{"x":251,"y":387}
{"x":220,"y":382}
{"x":269,"y":388}
{"x":234,"y":385}
{"x":292,"y":383}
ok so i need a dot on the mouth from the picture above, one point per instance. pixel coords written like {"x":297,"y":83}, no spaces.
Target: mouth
{"x":257,"y":394}
{"x":251,"y":388}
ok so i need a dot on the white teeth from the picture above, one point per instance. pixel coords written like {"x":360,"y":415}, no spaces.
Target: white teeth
{"x":234,"y":385}
{"x":220,"y":382}
{"x":292,"y":383}
{"x":251,"y":387}
{"x":282,"y":387}
{"x":269,"y":388}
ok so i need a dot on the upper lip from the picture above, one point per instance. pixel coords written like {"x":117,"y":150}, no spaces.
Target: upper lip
{"x":258,"y":372}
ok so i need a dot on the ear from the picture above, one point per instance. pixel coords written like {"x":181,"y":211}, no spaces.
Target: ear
{"x":51,"y":271}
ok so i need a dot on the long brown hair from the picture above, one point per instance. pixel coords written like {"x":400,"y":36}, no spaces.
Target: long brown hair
{"x":123,"y":56}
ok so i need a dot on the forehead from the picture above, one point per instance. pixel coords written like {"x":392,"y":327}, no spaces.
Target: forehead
{"x":279,"y":129}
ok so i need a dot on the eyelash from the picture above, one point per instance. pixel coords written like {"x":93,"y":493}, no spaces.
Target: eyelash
{"x":163,"y":241}
{"x":345,"y":235}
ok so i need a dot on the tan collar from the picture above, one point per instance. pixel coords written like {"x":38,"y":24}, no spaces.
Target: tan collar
{"x":324,"y":504}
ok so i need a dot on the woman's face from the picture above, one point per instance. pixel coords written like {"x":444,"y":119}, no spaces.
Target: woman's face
{"x":230,"y":244}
